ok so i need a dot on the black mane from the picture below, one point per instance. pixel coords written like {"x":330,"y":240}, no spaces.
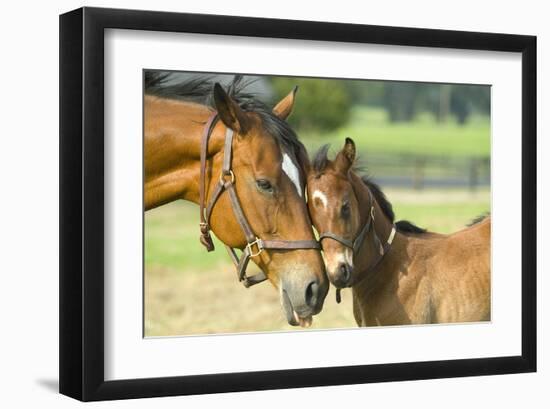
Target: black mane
{"x":199,"y":89}
{"x":321,"y":161}
{"x":405,"y":226}
{"x":380,"y":198}
{"x":478,"y":219}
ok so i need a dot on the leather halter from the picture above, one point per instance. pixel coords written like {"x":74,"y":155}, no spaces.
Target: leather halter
{"x":255,"y":245}
{"x":356,"y":244}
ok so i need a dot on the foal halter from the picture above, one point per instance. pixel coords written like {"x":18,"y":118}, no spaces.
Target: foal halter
{"x":356,"y":244}
{"x":254,"y":245}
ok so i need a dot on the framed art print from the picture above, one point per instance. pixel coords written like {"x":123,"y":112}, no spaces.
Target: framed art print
{"x":254,"y":204}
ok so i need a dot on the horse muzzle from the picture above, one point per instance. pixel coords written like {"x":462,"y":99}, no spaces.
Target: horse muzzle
{"x":342,"y":276}
{"x":300,"y":303}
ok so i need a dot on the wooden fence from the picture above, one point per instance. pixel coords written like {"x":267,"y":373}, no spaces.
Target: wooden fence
{"x":418,"y":172}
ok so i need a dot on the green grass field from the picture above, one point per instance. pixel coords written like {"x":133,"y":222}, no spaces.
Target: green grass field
{"x":373,"y":133}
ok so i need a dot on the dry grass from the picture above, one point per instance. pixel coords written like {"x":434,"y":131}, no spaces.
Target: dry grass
{"x":214,"y":301}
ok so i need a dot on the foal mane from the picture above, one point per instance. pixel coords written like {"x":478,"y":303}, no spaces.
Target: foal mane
{"x":478,"y":219}
{"x":199,"y":89}
{"x":321,"y":161}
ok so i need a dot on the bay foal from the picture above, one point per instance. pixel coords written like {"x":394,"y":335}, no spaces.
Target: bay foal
{"x":399,"y":273}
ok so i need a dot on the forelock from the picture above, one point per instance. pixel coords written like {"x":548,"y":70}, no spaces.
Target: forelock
{"x":320,"y":160}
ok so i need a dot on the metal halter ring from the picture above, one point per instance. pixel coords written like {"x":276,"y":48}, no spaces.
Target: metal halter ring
{"x":257,"y":243}
{"x":225,"y":174}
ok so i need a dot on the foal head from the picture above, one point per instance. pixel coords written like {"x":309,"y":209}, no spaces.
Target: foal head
{"x":268,"y":165}
{"x":333,"y":200}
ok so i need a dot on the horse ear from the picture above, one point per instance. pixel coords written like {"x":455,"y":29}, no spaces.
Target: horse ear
{"x":229,"y":111}
{"x":345,"y":158}
{"x":284,"y":108}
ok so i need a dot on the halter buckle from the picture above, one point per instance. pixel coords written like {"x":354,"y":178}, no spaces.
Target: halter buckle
{"x":256,"y":243}
{"x":225,"y":174}
{"x":205,"y":238}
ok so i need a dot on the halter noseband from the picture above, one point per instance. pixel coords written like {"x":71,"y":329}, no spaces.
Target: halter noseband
{"x":356,"y":244}
{"x":255,"y":245}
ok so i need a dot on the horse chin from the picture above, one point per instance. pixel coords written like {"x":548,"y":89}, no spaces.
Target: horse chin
{"x":291,"y":315}
{"x":341,"y":286}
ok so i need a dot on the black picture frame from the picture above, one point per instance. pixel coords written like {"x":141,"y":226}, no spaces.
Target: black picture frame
{"x":82,"y":198}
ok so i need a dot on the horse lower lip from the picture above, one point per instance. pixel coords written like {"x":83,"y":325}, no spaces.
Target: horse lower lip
{"x":289,"y":309}
{"x":304,"y":322}
{"x":292,"y":316}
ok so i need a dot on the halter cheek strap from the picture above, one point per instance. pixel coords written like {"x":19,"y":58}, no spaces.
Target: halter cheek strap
{"x":356,"y":244}
{"x":226,"y":183}
{"x":205,"y":238}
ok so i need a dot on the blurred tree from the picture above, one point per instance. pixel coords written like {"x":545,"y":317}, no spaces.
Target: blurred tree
{"x":321,"y":104}
{"x":326,"y":104}
{"x":460,"y":105}
{"x":445,"y":93}
{"x":466,"y":99}
{"x":364,"y":92}
{"x":401,"y":100}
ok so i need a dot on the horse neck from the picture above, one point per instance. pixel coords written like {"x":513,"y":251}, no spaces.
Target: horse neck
{"x":173,"y":134}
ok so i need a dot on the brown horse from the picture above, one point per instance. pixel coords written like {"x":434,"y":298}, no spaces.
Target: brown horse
{"x":265,"y":179}
{"x":399,"y":273}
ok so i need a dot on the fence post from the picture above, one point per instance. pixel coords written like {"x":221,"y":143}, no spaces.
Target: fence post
{"x":418,"y":174}
{"x":473,"y":178}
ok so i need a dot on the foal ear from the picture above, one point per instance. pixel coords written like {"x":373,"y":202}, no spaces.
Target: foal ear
{"x":345,"y":158}
{"x":229,"y":111}
{"x":284,"y":108}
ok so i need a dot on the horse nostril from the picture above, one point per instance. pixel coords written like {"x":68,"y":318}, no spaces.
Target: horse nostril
{"x":345,"y":271}
{"x":312,"y":293}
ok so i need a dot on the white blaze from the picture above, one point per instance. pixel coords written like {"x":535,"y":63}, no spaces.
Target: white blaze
{"x":321,"y":196}
{"x":292,"y":172}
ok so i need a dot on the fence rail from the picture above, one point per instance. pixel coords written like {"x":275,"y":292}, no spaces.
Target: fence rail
{"x":418,"y":172}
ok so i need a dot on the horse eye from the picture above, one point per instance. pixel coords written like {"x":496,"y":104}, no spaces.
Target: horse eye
{"x":345,"y":210}
{"x":264,"y":185}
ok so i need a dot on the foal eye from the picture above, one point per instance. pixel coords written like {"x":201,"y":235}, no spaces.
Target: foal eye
{"x":345,"y":210}
{"x":264,"y":185}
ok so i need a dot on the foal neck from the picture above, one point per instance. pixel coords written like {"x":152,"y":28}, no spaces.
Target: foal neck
{"x":382,"y":228}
